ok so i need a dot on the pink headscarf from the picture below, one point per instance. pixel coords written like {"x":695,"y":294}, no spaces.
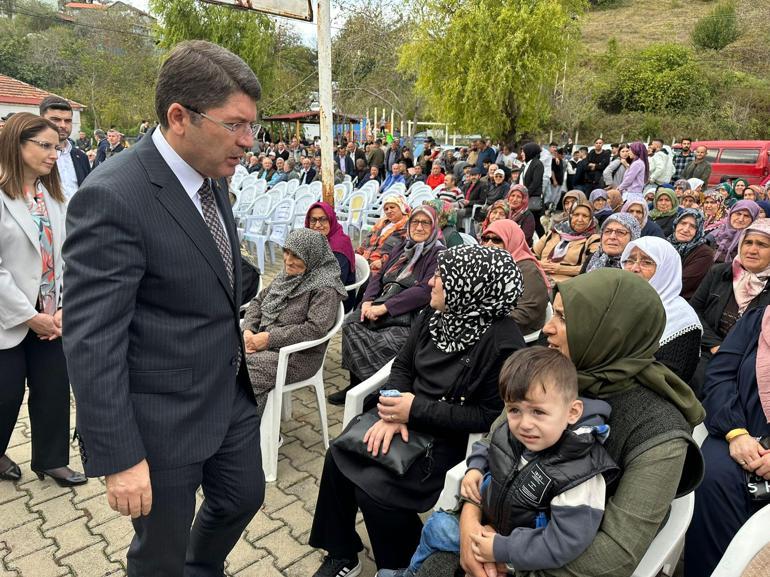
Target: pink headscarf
{"x":746,"y":284}
{"x":338,"y":240}
{"x":515,"y":243}
{"x":763,"y":364}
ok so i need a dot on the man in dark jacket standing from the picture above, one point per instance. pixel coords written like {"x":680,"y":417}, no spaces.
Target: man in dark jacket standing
{"x":598,"y":159}
{"x":73,"y":163}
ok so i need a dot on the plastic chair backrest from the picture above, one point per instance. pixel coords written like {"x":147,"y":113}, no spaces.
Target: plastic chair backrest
{"x":280,"y":187}
{"x":248,"y":180}
{"x":301,"y":205}
{"x":356,"y":206}
{"x":467,"y":239}
{"x":261,"y":185}
{"x":291,"y":186}
{"x":262,"y":205}
{"x":417,"y":198}
{"x":316,"y":187}
{"x":340,"y":193}
{"x":302,"y":189}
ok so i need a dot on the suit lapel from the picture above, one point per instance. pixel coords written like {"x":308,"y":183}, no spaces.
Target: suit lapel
{"x":17,"y":208}
{"x":176,"y":201}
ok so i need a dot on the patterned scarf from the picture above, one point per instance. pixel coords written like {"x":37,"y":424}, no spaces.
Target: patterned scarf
{"x":712,"y":222}
{"x":322,"y":271}
{"x":727,"y":236}
{"x":746,"y":284}
{"x":601,"y":259}
{"x":413,"y":250}
{"x":517,"y":213}
{"x":686,"y":247}
{"x":482,"y":285}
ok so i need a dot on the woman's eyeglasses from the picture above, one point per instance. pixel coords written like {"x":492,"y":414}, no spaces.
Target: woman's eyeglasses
{"x":617,"y":232}
{"x":420,"y":223}
{"x":47,"y":146}
{"x":645,"y":263}
{"x":322,"y":220}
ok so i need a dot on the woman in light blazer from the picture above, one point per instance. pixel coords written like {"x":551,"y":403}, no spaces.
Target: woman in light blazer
{"x":32,"y":209}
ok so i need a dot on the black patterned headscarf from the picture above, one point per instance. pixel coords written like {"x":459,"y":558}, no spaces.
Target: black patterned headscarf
{"x":482,"y":285}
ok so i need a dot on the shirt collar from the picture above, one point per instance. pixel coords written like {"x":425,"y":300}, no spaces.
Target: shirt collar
{"x":190,"y":179}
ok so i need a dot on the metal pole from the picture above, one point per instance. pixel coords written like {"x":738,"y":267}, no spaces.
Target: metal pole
{"x":325,"y":99}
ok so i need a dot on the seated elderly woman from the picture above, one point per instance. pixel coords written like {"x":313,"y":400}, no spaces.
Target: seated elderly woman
{"x":656,"y":261}
{"x":731,"y":289}
{"x":713,"y":206}
{"x":636,"y":206}
{"x":697,"y":256}
{"x":568,"y":244}
{"x":610,"y":323}
{"x":374,"y":332}
{"x":666,"y":209}
{"x":518,"y":204}
{"x":301,"y":304}
{"x":387,"y":233}
{"x":618,"y":230}
{"x":446,"y":374}
{"x":737,"y":416}
{"x":599,"y":200}
{"x":571,"y":199}
{"x":321,"y":218}
{"x":753,"y":192}
{"x":726,"y":236}
{"x":447,"y":222}
{"x":498,"y":211}
{"x":530,"y":309}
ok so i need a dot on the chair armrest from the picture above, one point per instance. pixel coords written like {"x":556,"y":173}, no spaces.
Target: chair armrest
{"x":354,"y":400}
{"x":451,"y":492}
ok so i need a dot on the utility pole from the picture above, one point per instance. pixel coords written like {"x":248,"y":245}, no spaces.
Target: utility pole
{"x":326,"y":112}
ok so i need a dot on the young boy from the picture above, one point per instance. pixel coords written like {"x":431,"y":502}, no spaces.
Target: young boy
{"x":538,"y":477}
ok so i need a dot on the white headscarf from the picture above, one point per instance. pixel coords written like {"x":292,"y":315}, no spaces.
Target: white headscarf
{"x":667,"y":281}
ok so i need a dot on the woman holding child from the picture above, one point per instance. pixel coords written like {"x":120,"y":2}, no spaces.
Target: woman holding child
{"x":610,"y":323}
{"x":447,"y":373}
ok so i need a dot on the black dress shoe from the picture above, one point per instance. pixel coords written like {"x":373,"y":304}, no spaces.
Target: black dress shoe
{"x":64,"y":476}
{"x":338,"y":398}
{"x":9,"y":471}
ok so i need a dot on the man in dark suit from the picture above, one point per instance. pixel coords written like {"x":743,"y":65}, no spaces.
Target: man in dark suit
{"x":102,"y":146}
{"x":345,"y":163}
{"x":152,"y":338}
{"x":307,"y":174}
{"x":73,"y":163}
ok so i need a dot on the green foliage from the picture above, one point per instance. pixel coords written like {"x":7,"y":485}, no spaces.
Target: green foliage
{"x":489,"y":66}
{"x":250,"y":35}
{"x":662,"y":77}
{"x":718,"y":28}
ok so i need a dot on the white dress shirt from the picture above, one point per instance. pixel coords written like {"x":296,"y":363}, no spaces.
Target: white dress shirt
{"x":190,"y":179}
{"x":69,"y":178}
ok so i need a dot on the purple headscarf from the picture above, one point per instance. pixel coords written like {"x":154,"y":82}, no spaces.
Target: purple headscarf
{"x":640,"y":153}
{"x":727,"y":237}
{"x":338,"y":240}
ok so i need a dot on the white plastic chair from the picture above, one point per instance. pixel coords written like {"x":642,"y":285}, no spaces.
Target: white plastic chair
{"x":347,"y":178}
{"x":417,"y":198}
{"x":348,"y":186}
{"x":291,"y":186}
{"x":356,"y":210}
{"x":362,"y":273}
{"x":302,"y":189}
{"x":279,"y":222}
{"x":663,"y":553}
{"x":467,"y":239}
{"x":439,"y":188}
{"x":340,"y":195}
{"x":249,"y":179}
{"x":398,"y":188}
{"x":261,"y":184}
{"x":279,"y":399}
{"x":316,"y":187}
{"x":302,"y":203}
{"x":245,"y":201}
{"x":748,"y":541}
{"x":254,"y":227}
{"x":534,"y":335}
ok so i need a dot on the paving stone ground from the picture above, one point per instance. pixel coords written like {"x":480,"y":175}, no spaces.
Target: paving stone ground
{"x":48,"y":531}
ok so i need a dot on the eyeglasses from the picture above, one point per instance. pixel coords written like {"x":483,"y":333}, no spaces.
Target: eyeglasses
{"x":322,"y":220}
{"x":642,"y":262}
{"x":47,"y":146}
{"x":242,"y":128}
{"x":618,"y":232}
{"x":420,"y":223}
{"x":493,"y":239}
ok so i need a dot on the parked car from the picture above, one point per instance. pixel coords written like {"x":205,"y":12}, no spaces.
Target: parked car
{"x":749,"y":159}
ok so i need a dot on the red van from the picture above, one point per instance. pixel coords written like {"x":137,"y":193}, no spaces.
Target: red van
{"x":749,"y":159}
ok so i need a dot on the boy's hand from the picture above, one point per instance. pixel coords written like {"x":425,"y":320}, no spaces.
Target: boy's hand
{"x":482,"y":545}
{"x":470,"y":488}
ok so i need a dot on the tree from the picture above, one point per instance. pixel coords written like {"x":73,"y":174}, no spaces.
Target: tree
{"x":249,"y":34}
{"x":717,"y":29}
{"x":489,"y":66}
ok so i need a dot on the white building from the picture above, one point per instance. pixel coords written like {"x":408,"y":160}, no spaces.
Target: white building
{"x":18,"y":96}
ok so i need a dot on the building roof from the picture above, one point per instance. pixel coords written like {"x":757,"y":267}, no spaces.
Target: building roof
{"x":85,"y":6}
{"x":309,"y":117}
{"x":14,"y":91}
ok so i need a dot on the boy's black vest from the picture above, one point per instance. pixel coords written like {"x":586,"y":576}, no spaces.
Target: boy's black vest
{"x":515,"y":497}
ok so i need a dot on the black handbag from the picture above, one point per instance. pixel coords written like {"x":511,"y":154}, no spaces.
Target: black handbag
{"x":759,"y":487}
{"x":391,"y":289}
{"x":400,"y":456}
{"x":535,"y":203}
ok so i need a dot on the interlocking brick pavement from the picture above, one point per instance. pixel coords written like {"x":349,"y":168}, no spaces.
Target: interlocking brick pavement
{"x":48,"y":531}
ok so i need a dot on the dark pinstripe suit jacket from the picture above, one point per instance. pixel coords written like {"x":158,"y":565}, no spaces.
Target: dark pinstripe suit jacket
{"x":151,"y":332}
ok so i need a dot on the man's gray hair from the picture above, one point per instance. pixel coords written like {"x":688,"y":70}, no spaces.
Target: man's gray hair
{"x":200,"y":75}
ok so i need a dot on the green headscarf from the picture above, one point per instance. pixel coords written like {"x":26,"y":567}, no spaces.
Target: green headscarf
{"x":614,"y":323}
{"x":655,"y":213}
{"x":733,"y":193}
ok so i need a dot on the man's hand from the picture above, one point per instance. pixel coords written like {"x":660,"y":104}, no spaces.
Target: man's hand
{"x":130,"y":492}
{"x":470,"y":523}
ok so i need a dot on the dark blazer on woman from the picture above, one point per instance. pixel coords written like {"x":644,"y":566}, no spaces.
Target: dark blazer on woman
{"x":694,"y":268}
{"x":533,"y":179}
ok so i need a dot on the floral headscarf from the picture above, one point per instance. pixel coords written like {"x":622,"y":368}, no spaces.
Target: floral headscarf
{"x":633,"y":199}
{"x":482,"y":285}
{"x":685,"y":248}
{"x":413,"y":250}
{"x":596,"y":194}
{"x":710,"y":223}
{"x":445,"y":212}
{"x":518,"y":213}
{"x":502,"y":205}
{"x":397,"y":199}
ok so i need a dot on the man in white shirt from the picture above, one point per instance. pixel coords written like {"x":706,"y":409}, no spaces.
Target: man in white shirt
{"x":73,"y":163}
